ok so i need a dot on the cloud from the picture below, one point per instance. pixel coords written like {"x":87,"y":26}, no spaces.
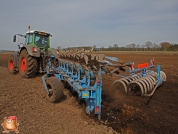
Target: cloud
{"x":94,"y":22}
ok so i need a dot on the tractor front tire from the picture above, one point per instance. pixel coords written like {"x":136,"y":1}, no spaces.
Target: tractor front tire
{"x":11,"y":65}
{"x":55,"y":88}
{"x":28,"y":65}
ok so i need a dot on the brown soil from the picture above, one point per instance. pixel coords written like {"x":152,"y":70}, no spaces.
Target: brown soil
{"x":25,"y":98}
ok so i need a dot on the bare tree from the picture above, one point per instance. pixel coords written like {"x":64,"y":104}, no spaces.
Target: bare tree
{"x":133,"y":46}
{"x":102,"y":48}
{"x":155,"y":46}
{"x":115,"y":47}
{"x":137,"y":47}
{"x":94,"y":46}
{"x":148,"y":45}
{"x":110,"y":48}
{"x":143,"y":47}
{"x":128,"y":47}
{"x":59,"y":48}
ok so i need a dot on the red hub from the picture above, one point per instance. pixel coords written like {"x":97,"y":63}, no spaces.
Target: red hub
{"x":11,"y":65}
{"x":23,"y":64}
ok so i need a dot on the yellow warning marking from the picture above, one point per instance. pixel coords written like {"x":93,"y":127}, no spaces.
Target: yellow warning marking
{"x":85,"y":94}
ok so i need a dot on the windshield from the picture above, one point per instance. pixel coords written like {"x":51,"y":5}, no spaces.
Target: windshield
{"x":41,"y":40}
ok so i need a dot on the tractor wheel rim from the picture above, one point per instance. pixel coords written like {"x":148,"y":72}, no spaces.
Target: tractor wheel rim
{"x":23,"y":64}
{"x":11,"y":65}
{"x":51,"y":92}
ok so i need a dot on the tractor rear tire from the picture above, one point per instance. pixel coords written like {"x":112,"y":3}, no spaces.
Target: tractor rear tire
{"x":11,"y":65}
{"x":28,"y":65}
{"x":56,"y":88}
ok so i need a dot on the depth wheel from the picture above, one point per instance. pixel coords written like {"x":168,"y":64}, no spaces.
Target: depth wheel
{"x":55,"y":88}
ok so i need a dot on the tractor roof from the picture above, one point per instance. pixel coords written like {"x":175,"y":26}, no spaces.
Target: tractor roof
{"x":39,"y":32}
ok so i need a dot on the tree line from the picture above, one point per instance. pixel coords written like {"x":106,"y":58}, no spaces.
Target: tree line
{"x":148,"y":46}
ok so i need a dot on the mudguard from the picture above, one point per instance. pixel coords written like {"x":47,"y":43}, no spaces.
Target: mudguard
{"x":53,"y":51}
{"x":30,"y":52}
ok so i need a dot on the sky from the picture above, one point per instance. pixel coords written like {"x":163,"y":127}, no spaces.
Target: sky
{"x":90,"y":22}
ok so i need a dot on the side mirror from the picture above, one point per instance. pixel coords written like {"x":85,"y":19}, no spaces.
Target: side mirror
{"x":14,"y":38}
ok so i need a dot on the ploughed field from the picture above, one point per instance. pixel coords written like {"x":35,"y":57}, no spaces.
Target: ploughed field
{"x":121,"y":113}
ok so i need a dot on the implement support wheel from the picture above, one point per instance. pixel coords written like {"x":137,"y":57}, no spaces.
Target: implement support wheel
{"x":55,"y":88}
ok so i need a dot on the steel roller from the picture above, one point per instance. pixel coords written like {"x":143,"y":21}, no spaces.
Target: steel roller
{"x":125,"y":81}
{"x":145,"y":84}
{"x":163,"y":75}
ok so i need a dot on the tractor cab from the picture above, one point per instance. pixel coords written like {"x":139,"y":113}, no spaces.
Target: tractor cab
{"x":38,"y":38}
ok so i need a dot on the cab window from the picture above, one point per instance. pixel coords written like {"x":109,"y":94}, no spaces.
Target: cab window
{"x":29,"y":39}
{"x":41,"y":40}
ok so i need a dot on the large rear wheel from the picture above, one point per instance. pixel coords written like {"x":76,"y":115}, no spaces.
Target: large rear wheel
{"x":55,"y":88}
{"x":11,"y":65}
{"x":28,"y":65}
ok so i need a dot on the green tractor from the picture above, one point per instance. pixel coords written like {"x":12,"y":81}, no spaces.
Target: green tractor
{"x":32,"y":56}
